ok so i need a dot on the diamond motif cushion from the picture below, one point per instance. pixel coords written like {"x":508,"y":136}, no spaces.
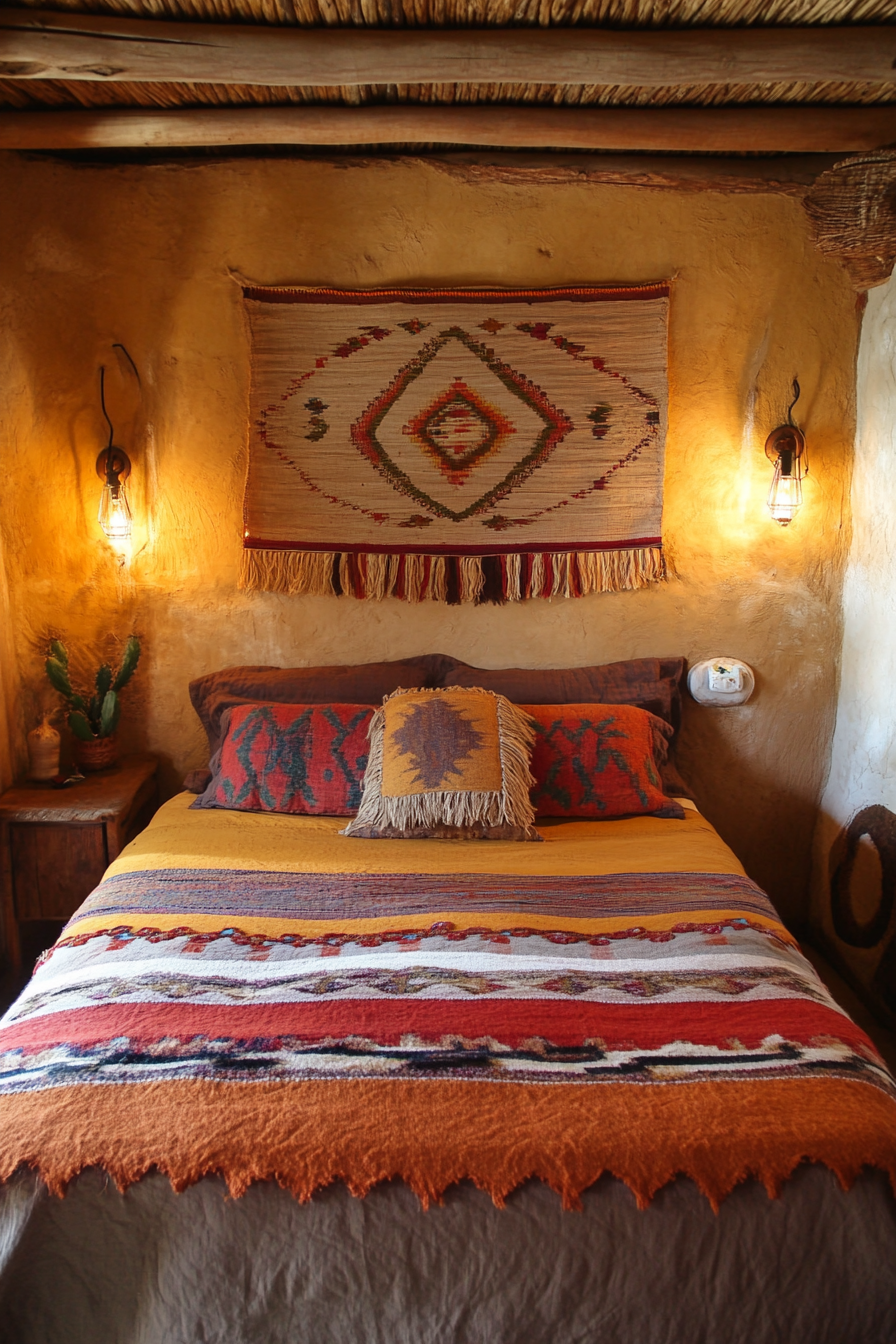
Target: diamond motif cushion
{"x":358,"y":684}
{"x":649,"y":683}
{"x":598,"y":761}
{"x":450,"y":764}
{"x":307,"y":759}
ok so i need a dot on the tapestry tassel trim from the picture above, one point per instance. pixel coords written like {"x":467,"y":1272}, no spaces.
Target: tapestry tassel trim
{"x":449,"y":578}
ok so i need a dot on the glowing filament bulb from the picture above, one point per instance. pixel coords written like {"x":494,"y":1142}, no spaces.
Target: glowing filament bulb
{"x":114,"y":513}
{"x":786,"y":446}
{"x":786,"y":493}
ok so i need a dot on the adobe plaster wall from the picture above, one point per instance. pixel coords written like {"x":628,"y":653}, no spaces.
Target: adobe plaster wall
{"x":146,"y":255}
{"x":8,"y":679}
{"x":863,"y":761}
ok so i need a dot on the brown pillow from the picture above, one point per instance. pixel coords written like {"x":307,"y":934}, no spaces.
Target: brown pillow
{"x":649,"y":683}
{"x":362,"y":684}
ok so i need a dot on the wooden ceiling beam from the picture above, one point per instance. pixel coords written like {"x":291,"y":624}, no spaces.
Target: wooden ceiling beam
{"x":767,"y":130}
{"x":776,"y":174}
{"x":38,"y":45}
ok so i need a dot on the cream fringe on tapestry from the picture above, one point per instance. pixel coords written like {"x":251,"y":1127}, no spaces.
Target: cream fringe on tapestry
{"x":418,"y":578}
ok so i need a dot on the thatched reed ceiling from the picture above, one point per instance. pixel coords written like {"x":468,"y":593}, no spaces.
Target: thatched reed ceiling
{"x":57,"y":93}
{"x":492,"y":13}
{"x":34,"y":94}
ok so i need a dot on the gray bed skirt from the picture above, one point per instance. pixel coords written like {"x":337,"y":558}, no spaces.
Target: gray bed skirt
{"x":152,"y":1267}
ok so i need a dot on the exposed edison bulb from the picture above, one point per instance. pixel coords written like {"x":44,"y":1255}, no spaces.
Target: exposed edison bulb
{"x":786,"y":493}
{"x":114,"y":513}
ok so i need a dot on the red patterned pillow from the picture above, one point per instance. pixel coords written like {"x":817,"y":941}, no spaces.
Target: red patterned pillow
{"x":599,"y":761}
{"x":307,"y":759}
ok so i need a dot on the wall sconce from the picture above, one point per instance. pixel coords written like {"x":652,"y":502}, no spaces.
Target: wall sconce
{"x":113,"y":466}
{"x":786,"y":447}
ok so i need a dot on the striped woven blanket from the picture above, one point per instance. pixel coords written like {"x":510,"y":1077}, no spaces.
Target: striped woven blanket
{"x":307,"y":1024}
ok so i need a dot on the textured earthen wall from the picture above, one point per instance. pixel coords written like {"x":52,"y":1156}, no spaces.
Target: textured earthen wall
{"x":145,"y":255}
{"x":8,"y":679}
{"x":863,"y":764}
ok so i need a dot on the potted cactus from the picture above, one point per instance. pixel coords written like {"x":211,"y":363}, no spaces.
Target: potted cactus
{"x":93,"y":716}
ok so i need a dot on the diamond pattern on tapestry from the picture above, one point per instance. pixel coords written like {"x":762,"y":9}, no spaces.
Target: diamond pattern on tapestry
{"x":459,"y":429}
{"x":457,"y":445}
{"x":487,"y":411}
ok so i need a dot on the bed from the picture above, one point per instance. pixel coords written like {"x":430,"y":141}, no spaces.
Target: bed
{"x":589,"y":1090}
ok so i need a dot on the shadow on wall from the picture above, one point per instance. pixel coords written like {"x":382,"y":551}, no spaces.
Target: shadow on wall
{"x":736,"y":786}
{"x":858,"y":929}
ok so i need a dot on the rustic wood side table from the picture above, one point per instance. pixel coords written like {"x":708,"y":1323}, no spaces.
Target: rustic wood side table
{"x":55,"y":844}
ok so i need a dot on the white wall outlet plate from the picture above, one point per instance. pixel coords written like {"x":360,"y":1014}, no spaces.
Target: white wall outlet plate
{"x":727,"y":677}
{"x":721,"y":682}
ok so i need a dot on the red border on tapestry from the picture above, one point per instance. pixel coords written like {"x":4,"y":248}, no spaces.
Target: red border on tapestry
{"x":573,"y":294}
{"x":535,"y":548}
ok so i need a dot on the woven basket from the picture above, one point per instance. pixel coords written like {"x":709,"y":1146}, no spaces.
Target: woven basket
{"x":852,"y":207}
{"x":96,"y":755}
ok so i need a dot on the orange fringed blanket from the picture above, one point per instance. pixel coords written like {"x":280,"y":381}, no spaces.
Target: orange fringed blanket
{"x":309,"y":1024}
{"x":432,"y":1134}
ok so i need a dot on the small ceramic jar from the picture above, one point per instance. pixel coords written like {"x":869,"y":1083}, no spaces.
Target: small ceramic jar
{"x":43,"y":751}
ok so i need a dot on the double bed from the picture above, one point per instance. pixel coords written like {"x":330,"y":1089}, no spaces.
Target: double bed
{"x":298,"y":1086}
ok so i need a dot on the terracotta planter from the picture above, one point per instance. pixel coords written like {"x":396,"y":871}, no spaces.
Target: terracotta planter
{"x":96,"y":755}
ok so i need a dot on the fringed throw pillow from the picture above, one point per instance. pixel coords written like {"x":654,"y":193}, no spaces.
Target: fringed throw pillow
{"x":449,"y":764}
{"x":599,"y":761}
{"x":303,"y":759}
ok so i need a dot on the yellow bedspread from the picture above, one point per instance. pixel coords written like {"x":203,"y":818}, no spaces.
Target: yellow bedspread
{"x":183,"y":838}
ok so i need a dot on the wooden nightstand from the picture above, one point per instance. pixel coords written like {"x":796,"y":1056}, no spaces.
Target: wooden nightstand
{"x":55,"y":844}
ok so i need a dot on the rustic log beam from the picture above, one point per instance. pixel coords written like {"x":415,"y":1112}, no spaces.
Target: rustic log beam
{"x":38,"y":45}
{"x":684,"y":130}
{"x":778,"y":174}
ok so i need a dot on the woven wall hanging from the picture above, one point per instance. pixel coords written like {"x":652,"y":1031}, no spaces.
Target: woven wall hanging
{"x":456,"y":445}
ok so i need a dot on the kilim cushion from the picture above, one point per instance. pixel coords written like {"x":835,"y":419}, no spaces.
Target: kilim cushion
{"x":450,"y":764}
{"x":306,"y":759}
{"x":649,"y":683}
{"x":356,"y":684}
{"x":598,"y":761}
